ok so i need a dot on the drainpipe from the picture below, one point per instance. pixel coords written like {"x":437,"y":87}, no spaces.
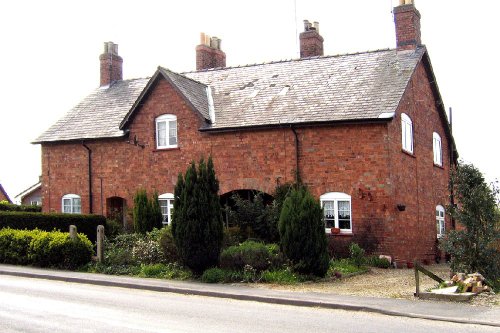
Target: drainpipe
{"x":90,"y":175}
{"x":297,"y":170}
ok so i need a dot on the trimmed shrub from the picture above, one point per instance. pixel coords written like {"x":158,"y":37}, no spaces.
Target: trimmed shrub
{"x":214,"y":275}
{"x":86,"y":224}
{"x":45,"y":249}
{"x":197,"y":220}
{"x":302,"y":233}
{"x":256,"y":255}
{"x":8,"y":207}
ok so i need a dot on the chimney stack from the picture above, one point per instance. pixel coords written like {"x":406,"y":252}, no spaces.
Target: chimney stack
{"x":209,"y":53}
{"x":111,"y":64}
{"x":311,"y":42}
{"x":407,"y":21}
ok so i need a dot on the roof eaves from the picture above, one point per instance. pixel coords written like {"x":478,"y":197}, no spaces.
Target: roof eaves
{"x":297,"y":125}
{"x":439,"y":102}
{"x":29,"y":190}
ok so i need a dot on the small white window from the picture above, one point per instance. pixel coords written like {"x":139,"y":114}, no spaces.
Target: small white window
{"x":166,"y":131}
{"x":337,"y":211}
{"x":71,"y":204}
{"x":440,"y":221}
{"x":436,"y":143}
{"x":167,"y":207}
{"x":407,"y":133}
{"x":34,"y":203}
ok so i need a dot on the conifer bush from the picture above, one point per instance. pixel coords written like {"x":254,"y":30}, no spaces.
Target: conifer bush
{"x":302,"y":233}
{"x":141,"y":212}
{"x":197,"y":221}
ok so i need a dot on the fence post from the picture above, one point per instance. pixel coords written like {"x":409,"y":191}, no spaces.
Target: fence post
{"x":417,"y":281}
{"x":100,"y":243}
{"x":72,"y":232}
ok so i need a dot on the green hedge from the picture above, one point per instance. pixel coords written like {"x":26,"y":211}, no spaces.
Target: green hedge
{"x":86,"y":224}
{"x":43,"y":248}
{"x":8,"y":207}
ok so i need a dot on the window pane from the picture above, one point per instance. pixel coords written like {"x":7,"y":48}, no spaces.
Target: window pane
{"x":162,"y":133}
{"x":172,"y":132}
{"x":344,"y":224}
{"x":66,"y":205}
{"x":164,"y":210}
{"x":77,"y":206}
{"x":328,"y":208}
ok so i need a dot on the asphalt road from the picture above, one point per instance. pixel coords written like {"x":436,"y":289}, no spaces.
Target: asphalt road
{"x":33,"y":305}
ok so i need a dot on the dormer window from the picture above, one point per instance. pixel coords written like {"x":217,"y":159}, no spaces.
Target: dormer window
{"x":407,"y":133}
{"x":166,"y":131}
{"x":436,"y":144}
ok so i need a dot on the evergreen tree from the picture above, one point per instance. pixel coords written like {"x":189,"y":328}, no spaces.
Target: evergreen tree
{"x":141,"y":211}
{"x":197,"y":220}
{"x":474,"y":246}
{"x":156,"y":216}
{"x":302,"y":233}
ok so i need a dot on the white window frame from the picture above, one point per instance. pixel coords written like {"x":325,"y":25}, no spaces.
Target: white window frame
{"x":71,"y":204}
{"x":167,"y":206}
{"x":35,"y":203}
{"x":437,"y":149}
{"x":440,"y":221}
{"x":335,"y":197}
{"x":406,"y":133}
{"x":168,"y":120}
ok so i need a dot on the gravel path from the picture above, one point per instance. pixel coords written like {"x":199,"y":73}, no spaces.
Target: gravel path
{"x":386,"y":283}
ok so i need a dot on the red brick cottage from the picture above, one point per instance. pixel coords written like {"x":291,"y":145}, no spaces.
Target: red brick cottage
{"x":367,"y":132}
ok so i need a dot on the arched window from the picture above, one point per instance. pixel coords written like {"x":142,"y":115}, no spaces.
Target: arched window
{"x":436,"y":144}
{"x":166,"y":131}
{"x":407,"y":133}
{"x":337,"y":211}
{"x":440,"y":221}
{"x":71,"y":204}
{"x":167,"y":207}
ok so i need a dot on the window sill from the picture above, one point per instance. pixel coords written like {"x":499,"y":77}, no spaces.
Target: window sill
{"x":165,"y":149}
{"x":408,"y":153}
{"x":341,"y":234}
{"x":438,"y":166}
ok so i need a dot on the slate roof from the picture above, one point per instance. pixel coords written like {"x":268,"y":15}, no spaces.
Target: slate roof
{"x":98,"y":115}
{"x":350,"y":87}
{"x":323,"y":89}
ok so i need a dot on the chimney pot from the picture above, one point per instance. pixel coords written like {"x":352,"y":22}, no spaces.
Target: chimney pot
{"x":311,"y":42}
{"x":209,"y":53}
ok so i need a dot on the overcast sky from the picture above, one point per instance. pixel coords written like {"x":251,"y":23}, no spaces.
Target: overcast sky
{"x":50,"y":49}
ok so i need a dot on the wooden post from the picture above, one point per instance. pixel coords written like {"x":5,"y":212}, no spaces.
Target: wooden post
{"x":100,"y":243}
{"x":417,"y":280}
{"x":72,"y":232}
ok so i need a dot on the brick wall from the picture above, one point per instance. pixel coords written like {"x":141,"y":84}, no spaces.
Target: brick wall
{"x":364,"y":161}
{"x":418,"y":183}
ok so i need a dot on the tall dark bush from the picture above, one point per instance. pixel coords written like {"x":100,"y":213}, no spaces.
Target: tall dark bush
{"x":302,"y":233}
{"x":197,"y":220}
{"x":156,"y":217}
{"x":474,"y":246}
{"x":141,"y":212}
